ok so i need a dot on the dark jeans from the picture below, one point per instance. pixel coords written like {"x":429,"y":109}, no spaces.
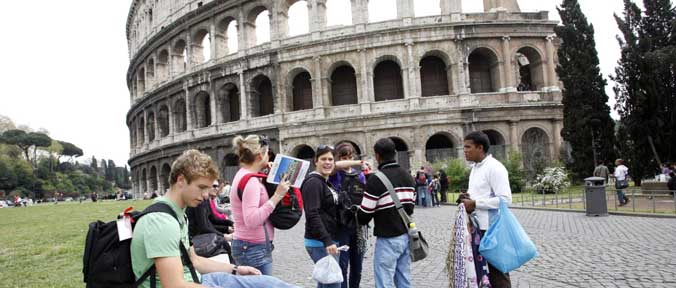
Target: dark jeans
{"x":352,"y":258}
{"x":444,"y":190}
{"x":497,"y":278}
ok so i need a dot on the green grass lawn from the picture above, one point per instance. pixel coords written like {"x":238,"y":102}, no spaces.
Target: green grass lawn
{"x":42,"y":245}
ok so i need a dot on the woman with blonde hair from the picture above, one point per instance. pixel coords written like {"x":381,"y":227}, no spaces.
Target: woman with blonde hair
{"x":252,"y":244}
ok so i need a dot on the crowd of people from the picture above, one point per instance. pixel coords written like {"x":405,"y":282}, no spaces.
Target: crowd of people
{"x":341,"y":200}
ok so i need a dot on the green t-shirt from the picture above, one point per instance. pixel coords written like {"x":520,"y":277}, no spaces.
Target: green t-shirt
{"x":157,"y":235}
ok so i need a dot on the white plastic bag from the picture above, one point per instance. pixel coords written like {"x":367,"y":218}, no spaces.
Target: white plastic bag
{"x":327,"y":271}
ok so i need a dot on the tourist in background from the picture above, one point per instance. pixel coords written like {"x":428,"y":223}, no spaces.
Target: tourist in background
{"x":601,"y":171}
{"x":621,"y":182}
{"x":252,"y":244}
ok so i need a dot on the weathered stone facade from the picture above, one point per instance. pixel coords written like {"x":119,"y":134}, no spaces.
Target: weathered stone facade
{"x":424,"y":81}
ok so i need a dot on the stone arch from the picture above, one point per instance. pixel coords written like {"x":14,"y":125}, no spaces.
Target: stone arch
{"x":530,"y":69}
{"x":163,"y":65}
{"x":141,"y":130}
{"x":164,"y":176}
{"x":256,"y":34}
{"x":201,"y":47}
{"x":180,"y":121}
{"x":263,"y":98}
{"x":434,"y":77}
{"x":153,"y":179}
{"x":299,"y":9}
{"x":150,"y":72}
{"x":132,"y":132}
{"x":484,"y":71}
{"x":387,"y":80}
{"x":338,"y":12}
{"x":144,"y":181}
{"x":150,"y":121}
{"x":202,"y":109}
{"x":387,"y":10}
{"x":230,"y":166}
{"x":141,"y":81}
{"x":402,"y":152}
{"x":535,"y":150}
{"x":223,"y":34}
{"x":179,"y":57}
{"x":229,"y":102}
{"x":163,"y":120}
{"x":440,"y":147}
{"x":301,"y":89}
{"x":497,"y":141}
{"x":305,"y":152}
{"x":343,"y":81}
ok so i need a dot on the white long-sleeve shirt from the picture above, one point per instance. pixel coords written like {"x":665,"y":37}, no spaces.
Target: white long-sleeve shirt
{"x":488,"y":177}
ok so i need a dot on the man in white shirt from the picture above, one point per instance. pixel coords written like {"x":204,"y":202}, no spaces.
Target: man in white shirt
{"x":621,"y":182}
{"x":488,"y":183}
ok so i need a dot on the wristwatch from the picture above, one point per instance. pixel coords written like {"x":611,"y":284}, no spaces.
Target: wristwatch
{"x":234,"y":270}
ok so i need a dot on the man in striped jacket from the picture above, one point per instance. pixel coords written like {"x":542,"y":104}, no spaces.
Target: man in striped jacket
{"x":391,"y":260}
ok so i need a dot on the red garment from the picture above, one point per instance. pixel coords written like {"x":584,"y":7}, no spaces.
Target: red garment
{"x":217,"y":214}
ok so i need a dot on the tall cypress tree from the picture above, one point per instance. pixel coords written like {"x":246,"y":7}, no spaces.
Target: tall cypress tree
{"x":586,"y":116}
{"x":646,"y":84}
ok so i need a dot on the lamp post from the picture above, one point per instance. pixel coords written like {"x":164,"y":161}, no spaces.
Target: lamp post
{"x":595,"y":123}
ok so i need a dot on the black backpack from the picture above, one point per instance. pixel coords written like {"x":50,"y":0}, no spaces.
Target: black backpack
{"x":288,"y":212}
{"x":107,"y":261}
{"x":349,"y":198}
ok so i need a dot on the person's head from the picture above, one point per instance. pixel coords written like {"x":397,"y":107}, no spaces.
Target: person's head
{"x":435,"y":176}
{"x":215,"y":188}
{"x":599,"y":162}
{"x":344,"y":151}
{"x":384,"y":150}
{"x":672,"y":174}
{"x":324,"y":162}
{"x":191,"y":177}
{"x":252,"y":150}
{"x":619,"y":162}
{"x":476,"y":145}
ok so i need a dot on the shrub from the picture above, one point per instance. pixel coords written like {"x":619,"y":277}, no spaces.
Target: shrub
{"x":457,"y":171}
{"x":552,"y":180}
{"x":516,"y":173}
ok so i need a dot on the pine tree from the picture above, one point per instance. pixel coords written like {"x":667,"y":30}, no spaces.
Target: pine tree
{"x":111,"y":171}
{"x":103,"y":167}
{"x":94,"y":164}
{"x":646,"y":84}
{"x":586,"y":116}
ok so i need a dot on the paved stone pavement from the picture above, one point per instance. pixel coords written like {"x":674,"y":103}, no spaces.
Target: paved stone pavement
{"x":575,"y":251}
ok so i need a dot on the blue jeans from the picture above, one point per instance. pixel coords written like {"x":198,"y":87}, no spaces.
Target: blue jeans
{"x":317,"y":253}
{"x":228,"y":280}
{"x":352,"y":258}
{"x":392,"y":262}
{"x":253,"y":254}
{"x":621,"y":197}
{"x":422,"y":195}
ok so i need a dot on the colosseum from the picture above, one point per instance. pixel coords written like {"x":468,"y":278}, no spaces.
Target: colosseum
{"x":201,"y":72}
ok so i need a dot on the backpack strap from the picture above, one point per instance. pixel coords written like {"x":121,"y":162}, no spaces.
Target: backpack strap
{"x":185,"y":256}
{"x":245,"y":180}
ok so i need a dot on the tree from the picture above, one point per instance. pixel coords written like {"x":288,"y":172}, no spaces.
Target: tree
{"x":70,"y":150}
{"x":103,"y":167}
{"x":646,"y":84}
{"x":94,"y":164}
{"x":111,"y":171}
{"x":8,"y":179}
{"x":586,"y":116}
{"x":6,"y":124}
{"x":26,"y":141}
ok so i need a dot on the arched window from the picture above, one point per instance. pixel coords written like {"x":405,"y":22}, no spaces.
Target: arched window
{"x":433,"y":76}
{"x":339,"y":12}
{"x":179,"y":57}
{"x":229,"y":102}
{"x":163,"y":119}
{"x":298,"y":18}
{"x":153,"y":179}
{"x":535,"y":151}
{"x":263,"y":103}
{"x":222,"y":38}
{"x":201,"y":47}
{"x":402,"y":152}
{"x":439,"y":147}
{"x":424,"y":8}
{"x":141,"y":131}
{"x":343,"y":86}
{"x":151,"y":126}
{"x":164,"y":177}
{"x":483,"y":71}
{"x":387,"y":84}
{"x":530,"y":75}
{"x":306,"y":153}
{"x":302,"y":91}
{"x":497,"y":142}
{"x":232,"y":37}
{"x":143,"y":181}
{"x":231,"y":166}
{"x":202,"y":110}
{"x":141,"y":82}
{"x":163,"y":66}
{"x":262,"y":27}
{"x":180,"y":122}
{"x":150,"y":73}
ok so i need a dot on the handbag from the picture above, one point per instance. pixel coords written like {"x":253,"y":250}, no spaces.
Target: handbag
{"x":621,"y":184}
{"x":506,"y":245}
{"x":208,"y":245}
{"x":419,"y":249}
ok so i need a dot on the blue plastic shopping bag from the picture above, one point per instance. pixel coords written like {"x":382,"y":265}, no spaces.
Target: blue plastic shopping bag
{"x":506,"y":245}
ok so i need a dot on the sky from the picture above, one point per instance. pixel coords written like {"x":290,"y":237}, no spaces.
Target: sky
{"x":66,"y":61}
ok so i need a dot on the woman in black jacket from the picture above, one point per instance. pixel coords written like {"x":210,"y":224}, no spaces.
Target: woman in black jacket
{"x":320,"y":201}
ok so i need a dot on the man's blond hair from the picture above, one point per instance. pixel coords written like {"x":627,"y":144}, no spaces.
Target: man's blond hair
{"x":193,"y":164}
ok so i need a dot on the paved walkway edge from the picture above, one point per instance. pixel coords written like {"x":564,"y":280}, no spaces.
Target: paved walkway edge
{"x":615,"y":213}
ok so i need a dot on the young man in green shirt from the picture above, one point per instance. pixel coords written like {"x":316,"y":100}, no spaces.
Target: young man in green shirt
{"x":156,"y":236}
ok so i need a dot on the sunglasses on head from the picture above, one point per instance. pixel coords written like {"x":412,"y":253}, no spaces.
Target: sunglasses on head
{"x":324,"y":147}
